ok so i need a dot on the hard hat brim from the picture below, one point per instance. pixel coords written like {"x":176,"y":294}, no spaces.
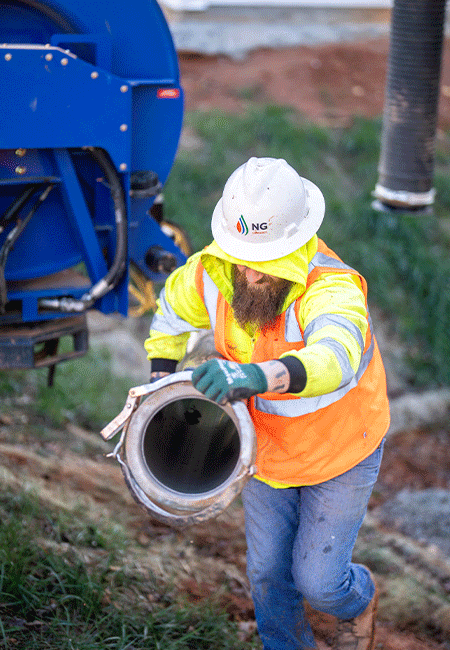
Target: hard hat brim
{"x":271,"y":250}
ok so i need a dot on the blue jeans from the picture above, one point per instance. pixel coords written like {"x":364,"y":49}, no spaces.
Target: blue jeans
{"x":300,"y":543}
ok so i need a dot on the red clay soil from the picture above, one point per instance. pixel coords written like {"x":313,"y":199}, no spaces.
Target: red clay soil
{"x":328,"y":83}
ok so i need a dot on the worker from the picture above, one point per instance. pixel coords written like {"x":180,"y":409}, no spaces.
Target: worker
{"x":294,"y":338}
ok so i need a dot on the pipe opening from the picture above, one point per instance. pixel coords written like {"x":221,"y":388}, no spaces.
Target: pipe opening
{"x":191,"y":445}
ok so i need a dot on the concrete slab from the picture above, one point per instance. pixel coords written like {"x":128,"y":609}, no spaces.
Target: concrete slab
{"x":236,"y":41}
{"x":235,"y":31}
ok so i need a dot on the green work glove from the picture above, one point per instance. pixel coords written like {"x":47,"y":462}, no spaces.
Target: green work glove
{"x":223,"y":381}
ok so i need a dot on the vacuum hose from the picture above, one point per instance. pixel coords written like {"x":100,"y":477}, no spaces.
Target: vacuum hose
{"x":410,"y":111}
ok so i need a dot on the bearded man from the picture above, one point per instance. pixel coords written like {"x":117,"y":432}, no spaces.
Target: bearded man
{"x":292,"y":326}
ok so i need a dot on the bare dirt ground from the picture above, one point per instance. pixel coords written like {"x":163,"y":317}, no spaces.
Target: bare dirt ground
{"x":68,"y":468}
{"x":329,"y":84}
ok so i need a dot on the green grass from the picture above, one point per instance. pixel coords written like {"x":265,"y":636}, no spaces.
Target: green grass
{"x":85,"y":391}
{"x":51,"y":596}
{"x":405,"y":258}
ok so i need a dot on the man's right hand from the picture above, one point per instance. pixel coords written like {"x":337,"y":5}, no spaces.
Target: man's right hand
{"x":222,"y":381}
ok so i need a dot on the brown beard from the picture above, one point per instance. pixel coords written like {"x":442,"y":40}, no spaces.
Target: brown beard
{"x":259,"y":303}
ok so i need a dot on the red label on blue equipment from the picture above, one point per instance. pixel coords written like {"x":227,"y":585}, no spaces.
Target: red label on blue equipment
{"x":168,"y":93}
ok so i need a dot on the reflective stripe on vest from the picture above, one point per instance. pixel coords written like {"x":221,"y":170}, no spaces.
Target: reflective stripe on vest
{"x":334,"y":319}
{"x":336,"y":347}
{"x":306,"y":405}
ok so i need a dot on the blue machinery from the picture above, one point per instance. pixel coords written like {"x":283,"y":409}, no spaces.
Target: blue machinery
{"x":90,"y":118}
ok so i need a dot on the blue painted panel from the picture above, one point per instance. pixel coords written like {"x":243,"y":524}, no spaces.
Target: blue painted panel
{"x":136,"y":38}
{"x":141,"y":42}
{"x":38,"y":164}
{"x":47,"y":245}
{"x":154,"y":147}
{"x":61,"y":105}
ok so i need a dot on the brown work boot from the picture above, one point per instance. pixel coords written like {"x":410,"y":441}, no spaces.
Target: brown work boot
{"x":358,"y":633}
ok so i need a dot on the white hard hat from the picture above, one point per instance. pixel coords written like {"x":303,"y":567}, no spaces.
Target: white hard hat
{"x":266,"y":211}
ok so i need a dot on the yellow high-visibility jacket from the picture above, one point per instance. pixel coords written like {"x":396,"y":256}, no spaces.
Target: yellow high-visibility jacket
{"x":342,"y":414}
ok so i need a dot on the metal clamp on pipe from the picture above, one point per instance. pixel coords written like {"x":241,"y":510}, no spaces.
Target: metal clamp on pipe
{"x":186,"y":457}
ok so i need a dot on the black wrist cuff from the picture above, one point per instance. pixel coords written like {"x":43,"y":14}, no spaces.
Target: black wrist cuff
{"x":163,"y":365}
{"x":297,"y":374}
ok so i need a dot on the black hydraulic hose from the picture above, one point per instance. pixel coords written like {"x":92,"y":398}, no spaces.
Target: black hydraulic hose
{"x":16,"y":206}
{"x":114,"y":274}
{"x":14,"y":234}
{"x":120,"y":257}
{"x":117,"y":269}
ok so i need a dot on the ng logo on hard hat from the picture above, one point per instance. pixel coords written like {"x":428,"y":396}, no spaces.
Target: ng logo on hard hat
{"x":257,"y":228}
{"x":241,"y":226}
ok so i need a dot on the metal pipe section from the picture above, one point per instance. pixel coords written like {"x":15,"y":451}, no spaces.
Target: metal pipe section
{"x":411,"y":102}
{"x":186,"y":457}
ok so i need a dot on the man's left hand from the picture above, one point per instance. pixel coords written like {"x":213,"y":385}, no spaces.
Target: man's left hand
{"x":223,"y":381}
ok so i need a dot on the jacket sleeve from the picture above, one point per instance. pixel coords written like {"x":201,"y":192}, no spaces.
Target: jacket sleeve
{"x":180,"y":311}
{"x":333,"y":317}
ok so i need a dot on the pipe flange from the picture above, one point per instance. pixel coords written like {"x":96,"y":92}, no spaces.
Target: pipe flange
{"x":404,"y":199}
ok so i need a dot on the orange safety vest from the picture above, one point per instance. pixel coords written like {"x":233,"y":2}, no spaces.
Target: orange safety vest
{"x":308,"y":440}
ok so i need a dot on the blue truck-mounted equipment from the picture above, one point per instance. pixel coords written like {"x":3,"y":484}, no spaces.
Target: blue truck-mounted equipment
{"x":90,"y":119}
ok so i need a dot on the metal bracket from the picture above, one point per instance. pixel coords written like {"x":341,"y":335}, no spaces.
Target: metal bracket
{"x":135,"y":395}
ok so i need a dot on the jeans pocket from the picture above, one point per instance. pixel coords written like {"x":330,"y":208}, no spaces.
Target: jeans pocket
{"x":365,"y":473}
{"x":372,"y":463}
